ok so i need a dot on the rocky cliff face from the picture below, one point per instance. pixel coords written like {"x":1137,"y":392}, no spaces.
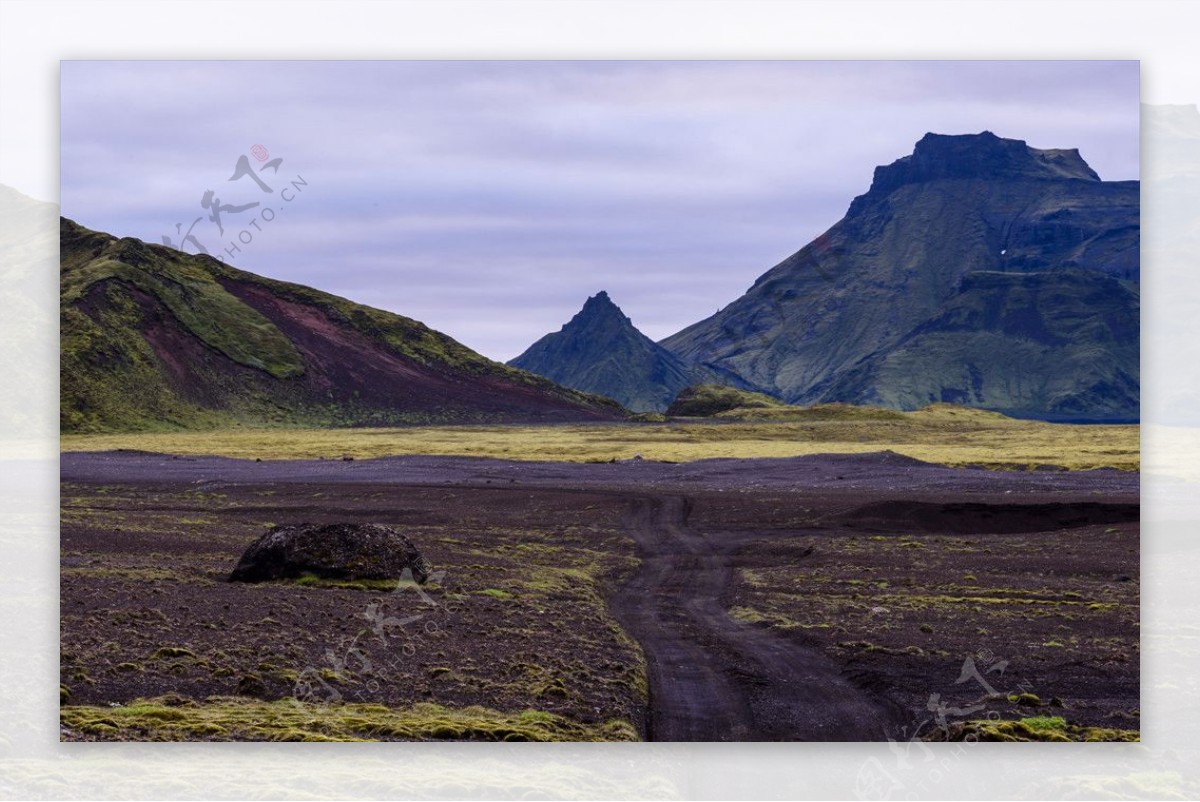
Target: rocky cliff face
{"x":600,"y":351}
{"x":1055,"y":346}
{"x":960,"y":257}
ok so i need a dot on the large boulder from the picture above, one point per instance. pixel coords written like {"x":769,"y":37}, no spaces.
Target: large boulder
{"x":330,"y":551}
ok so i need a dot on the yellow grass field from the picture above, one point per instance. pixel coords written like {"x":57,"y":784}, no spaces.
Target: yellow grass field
{"x":942,"y":434}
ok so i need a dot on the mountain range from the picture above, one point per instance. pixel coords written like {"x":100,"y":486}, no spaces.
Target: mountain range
{"x":977,"y":271}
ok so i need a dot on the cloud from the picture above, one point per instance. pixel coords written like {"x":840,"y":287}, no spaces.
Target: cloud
{"x":490,"y":199}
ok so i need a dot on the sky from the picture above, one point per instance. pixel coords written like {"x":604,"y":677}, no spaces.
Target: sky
{"x":489,"y":200}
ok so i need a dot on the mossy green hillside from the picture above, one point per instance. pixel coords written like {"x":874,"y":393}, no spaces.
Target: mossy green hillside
{"x":191,"y":293}
{"x":156,"y":339}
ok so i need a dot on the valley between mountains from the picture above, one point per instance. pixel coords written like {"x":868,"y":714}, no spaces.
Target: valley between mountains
{"x":890,"y":492}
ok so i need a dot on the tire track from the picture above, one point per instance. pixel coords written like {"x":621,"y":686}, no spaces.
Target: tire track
{"x":713,"y":678}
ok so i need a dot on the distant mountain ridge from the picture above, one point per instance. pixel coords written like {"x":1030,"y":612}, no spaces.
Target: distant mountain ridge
{"x":600,"y":351}
{"x":976,"y":270}
{"x":155,"y":338}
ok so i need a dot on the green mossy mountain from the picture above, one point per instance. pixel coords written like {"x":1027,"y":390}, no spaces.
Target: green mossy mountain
{"x":600,"y":351}
{"x":978,"y":271}
{"x":1056,"y":343}
{"x":153,"y":338}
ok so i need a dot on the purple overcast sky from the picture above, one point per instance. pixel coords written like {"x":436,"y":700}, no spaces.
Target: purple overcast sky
{"x":490,"y":199}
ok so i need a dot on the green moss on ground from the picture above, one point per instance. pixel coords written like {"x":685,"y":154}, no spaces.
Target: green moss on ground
{"x":955,"y":441}
{"x":241,"y":719}
{"x":1034,"y":728}
{"x":314,"y":581}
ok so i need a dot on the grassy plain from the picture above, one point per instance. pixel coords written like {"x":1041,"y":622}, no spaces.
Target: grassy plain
{"x":942,"y":434}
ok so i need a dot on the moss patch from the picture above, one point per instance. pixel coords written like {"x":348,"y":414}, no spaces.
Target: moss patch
{"x":1036,"y":728}
{"x":230,"y":718}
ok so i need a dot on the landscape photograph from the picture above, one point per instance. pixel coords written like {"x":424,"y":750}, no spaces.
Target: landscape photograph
{"x":599,"y":401}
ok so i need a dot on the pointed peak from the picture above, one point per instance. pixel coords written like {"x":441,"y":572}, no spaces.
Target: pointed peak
{"x":600,"y":305}
{"x":599,"y":299}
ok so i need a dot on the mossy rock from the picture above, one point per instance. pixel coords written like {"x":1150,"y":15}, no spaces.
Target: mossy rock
{"x":168,"y":652}
{"x":1025,"y":699}
{"x":331,"y":551}
{"x":707,"y":400}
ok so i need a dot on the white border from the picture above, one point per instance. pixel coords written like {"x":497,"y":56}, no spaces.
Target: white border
{"x":34,"y":36}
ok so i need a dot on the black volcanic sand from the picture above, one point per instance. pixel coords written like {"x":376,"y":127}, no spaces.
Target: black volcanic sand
{"x":839,"y":597}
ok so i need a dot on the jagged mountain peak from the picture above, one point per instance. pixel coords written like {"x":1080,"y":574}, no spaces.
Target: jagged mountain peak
{"x":600,"y":307}
{"x":979,"y":156}
{"x":602,"y":350}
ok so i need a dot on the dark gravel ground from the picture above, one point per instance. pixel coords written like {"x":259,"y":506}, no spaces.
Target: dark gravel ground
{"x":837,"y":597}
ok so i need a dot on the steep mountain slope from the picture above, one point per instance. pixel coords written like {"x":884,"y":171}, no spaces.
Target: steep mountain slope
{"x":152,"y":337}
{"x":896,"y":303}
{"x":600,"y":351}
{"x":1053,"y":342}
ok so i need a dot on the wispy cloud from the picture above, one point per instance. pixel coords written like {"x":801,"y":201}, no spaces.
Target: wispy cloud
{"x":489,"y":199}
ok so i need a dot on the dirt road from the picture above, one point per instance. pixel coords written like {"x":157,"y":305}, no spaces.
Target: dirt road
{"x":713,"y":678}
